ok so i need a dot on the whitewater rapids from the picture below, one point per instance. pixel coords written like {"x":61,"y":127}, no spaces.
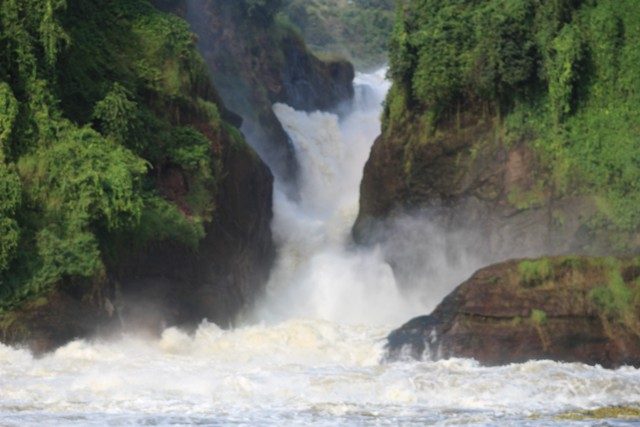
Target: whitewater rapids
{"x":298,"y":372}
{"x":311,"y":352}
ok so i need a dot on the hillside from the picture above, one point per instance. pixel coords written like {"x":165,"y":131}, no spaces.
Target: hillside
{"x":255,"y":61}
{"x":516,"y":124}
{"x":357,"y":30}
{"x":519,"y":118}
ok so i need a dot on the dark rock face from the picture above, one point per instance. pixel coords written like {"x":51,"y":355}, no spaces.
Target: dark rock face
{"x":256,"y":64}
{"x":76,"y":309}
{"x":475,"y":181}
{"x":172,"y":284}
{"x":526,"y":310}
{"x":310,"y":84}
{"x":167,"y":284}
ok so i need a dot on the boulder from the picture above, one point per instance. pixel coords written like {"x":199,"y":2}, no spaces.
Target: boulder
{"x":569,"y":309}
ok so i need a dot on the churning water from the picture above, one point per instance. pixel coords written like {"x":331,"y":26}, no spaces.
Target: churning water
{"x":311,"y":351}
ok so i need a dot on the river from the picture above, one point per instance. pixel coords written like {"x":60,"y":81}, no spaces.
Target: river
{"x":311,"y":351}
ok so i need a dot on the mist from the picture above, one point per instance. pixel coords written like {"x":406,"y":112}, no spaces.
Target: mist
{"x":320,"y":273}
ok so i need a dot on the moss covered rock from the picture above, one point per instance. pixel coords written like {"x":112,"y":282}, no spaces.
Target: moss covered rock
{"x":571,"y":309}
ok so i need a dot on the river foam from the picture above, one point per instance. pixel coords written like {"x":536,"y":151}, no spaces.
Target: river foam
{"x":296,"y":372}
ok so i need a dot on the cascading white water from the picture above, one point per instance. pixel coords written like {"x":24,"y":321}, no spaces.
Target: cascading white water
{"x":317,"y":276}
{"x":310,"y":353}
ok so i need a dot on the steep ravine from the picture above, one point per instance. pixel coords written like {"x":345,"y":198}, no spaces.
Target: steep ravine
{"x":216,"y":260}
{"x":314,"y":356}
{"x":256,"y":61}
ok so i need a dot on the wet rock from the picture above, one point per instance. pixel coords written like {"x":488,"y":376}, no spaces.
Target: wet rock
{"x":73,"y":309}
{"x":176,"y":285}
{"x":476,"y":182}
{"x":569,"y":309}
{"x":255,"y":65}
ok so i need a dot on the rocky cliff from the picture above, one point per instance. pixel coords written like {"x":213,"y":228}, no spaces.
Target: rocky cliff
{"x":518,"y":120}
{"x":256,"y":61}
{"x":571,"y":309}
{"x":139,"y":204}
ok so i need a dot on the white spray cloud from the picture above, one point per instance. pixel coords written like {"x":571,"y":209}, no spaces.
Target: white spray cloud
{"x":318,"y":273}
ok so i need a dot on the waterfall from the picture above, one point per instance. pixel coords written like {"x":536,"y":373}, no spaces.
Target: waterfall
{"x":309,"y":354}
{"x":317,"y":275}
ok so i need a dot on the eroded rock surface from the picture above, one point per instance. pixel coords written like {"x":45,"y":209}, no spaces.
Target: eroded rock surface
{"x":570,"y":309}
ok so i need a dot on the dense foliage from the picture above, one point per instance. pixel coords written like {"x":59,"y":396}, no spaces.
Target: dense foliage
{"x":97,"y":101}
{"x":357,"y":29}
{"x":561,"y":75}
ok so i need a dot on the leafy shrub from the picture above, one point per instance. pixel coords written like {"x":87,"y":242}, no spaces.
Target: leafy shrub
{"x":614,"y":297}
{"x":563,"y":70}
{"x":89,"y":113}
{"x":10,"y":198}
{"x":87,"y":178}
{"x":443,"y":44}
{"x":538,"y":317}
{"x":116,"y":114}
{"x":9,"y":235}
{"x":504,"y":57}
{"x":10,"y":190}
{"x":619,"y":301}
{"x":67,"y":249}
{"x":190,"y":149}
{"x":8,"y":114}
{"x":162,"y":221}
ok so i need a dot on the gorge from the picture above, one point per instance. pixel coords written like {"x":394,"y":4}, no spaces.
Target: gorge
{"x":314,"y":355}
{"x":275,"y":216}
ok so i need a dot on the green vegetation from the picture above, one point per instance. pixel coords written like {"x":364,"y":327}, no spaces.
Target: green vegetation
{"x":535,"y":272}
{"x":611,"y":284}
{"x":527,"y":199}
{"x":538,"y":317}
{"x":617,"y":299}
{"x":560,"y":76}
{"x":358,"y":29}
{"x":98,"y":100}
